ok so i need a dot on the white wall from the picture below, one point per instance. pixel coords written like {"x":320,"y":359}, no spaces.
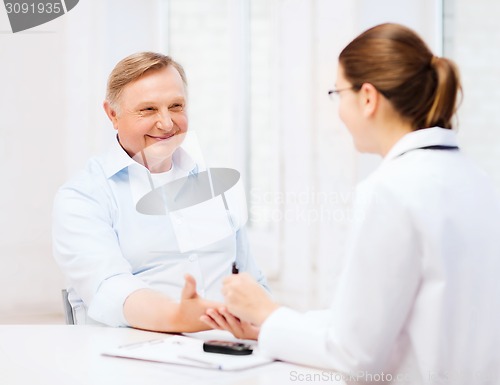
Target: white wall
{"x":317,"y":164}
{"x":473,"y":41}
{"x":32,"y":112}
{"x":52,"y":83}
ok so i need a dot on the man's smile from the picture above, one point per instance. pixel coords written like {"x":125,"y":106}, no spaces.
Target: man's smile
{"x":161,"y":137}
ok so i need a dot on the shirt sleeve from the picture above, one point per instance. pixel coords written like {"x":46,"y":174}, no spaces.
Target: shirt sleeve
{"x":372,"y":302}
{"x":87,"y":250}
{"x":245,"y":260}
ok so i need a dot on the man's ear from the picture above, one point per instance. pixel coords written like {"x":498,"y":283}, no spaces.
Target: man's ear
{"x":370,"y":99}
{"x":112,"y":114}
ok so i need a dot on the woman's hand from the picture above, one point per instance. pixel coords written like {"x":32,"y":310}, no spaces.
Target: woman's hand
{"x":221,"y":319}
{"x":246,"y":299}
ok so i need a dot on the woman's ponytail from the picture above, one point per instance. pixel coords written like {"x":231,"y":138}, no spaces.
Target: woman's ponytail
{"x":447,"y":88}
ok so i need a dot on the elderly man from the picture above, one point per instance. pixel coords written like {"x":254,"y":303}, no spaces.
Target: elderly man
{"x":126,"y":266}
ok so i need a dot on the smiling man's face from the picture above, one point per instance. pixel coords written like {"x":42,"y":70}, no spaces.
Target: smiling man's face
{"x":151,"y":117}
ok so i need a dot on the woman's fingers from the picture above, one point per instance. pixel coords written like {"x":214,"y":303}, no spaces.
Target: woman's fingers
{"x":210,"y":322}
{"x":218,"y":318}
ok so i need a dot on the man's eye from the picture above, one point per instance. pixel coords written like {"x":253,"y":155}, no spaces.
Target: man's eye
{"x":177,"y":107}
{"x":147,"y":110}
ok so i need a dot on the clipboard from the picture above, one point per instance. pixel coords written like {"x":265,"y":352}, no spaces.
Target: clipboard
{"x":186,"y":351}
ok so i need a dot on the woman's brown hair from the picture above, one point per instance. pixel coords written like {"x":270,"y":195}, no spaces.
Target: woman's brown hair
{"x":423,"y":88}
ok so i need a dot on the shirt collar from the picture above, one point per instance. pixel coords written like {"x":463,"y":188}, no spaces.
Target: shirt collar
{"x":435,"y":136}
{"x":117,"y":159}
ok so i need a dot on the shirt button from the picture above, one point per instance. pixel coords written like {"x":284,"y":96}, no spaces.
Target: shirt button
{"x":193,"y":257}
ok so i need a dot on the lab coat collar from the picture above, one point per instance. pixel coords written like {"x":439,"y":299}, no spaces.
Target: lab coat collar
{"x":117,"y":159}
{"x":435,"y":136}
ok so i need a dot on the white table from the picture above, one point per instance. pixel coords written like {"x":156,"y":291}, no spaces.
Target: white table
{"x":65,"y":355}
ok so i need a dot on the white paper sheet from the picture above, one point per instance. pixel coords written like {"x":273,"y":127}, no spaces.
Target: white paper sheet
{"x":188,"y":351}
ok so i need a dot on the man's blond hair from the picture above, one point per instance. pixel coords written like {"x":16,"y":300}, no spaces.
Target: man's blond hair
{"x":132,"y":68}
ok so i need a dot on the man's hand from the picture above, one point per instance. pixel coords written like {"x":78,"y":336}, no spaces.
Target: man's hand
{"x":189,"y":289}
{"x":192,"y":307}
{"x":151,"y":310}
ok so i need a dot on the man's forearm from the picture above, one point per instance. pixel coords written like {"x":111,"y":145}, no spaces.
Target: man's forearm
{"x":151,"y":310}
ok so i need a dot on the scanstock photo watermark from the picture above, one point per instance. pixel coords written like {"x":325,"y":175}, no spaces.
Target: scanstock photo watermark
{"x":337,"y":377}
{"x":444,"y":378}
{"x":26,"y":14}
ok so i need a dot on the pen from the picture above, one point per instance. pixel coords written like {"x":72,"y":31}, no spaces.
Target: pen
{"x":235,"y":269}
{"x":208,"y":364}
{"x":141,"y":343}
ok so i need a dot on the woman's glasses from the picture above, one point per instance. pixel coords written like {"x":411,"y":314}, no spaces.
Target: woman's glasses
{"x":332,"y":93}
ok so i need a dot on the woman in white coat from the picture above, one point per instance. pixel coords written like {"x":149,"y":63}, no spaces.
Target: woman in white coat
{"x":418,"y":301}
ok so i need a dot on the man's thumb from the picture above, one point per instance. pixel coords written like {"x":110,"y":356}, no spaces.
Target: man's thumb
{"x":189,"y":290}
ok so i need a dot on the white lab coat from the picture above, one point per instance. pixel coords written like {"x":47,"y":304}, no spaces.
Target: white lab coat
{"x":419,"y":297}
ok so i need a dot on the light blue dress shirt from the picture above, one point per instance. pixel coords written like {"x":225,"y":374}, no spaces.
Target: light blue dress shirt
{"x":107,"y":249}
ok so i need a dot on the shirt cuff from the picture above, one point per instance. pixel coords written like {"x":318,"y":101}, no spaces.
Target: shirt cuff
{"x":107,"y":304}
{"x":274,"y":331}
{"x":306,"y":332}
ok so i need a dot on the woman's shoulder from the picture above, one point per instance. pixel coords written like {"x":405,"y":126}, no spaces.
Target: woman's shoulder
{"x":427,"y":175}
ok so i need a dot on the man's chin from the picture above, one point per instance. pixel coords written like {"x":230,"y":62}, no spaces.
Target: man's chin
{"x":156,"y":154}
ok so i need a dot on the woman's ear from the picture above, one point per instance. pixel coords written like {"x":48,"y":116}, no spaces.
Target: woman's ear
{"x":369,"y":99}
{"x":112,"y":114}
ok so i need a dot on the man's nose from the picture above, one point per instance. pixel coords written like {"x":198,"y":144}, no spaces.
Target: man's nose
{"x":164,"y":121}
